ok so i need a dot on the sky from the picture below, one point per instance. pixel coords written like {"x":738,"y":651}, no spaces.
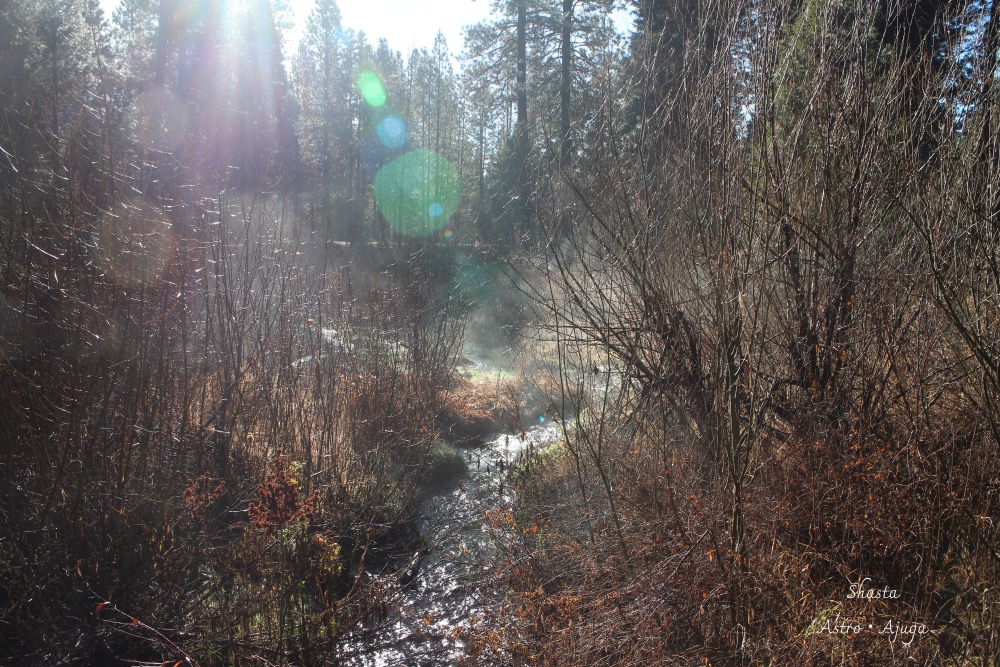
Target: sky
{"x":406,"y":24}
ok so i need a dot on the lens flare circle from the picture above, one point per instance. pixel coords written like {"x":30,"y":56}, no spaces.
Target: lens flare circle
{"x":371,"y":89}
{"x":391,"y":131}
{"x":417,"y":193}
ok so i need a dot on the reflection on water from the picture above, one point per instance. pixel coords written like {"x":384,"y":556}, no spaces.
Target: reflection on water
{"x":449,"y":587}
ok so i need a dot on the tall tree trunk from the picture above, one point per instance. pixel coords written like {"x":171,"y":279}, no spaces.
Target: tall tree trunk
{"x":521,"y":130}
{"x":163,"y":39}
{"x":53,"y":37}
{"x":988,"y":159}
{"x":566,"y":145}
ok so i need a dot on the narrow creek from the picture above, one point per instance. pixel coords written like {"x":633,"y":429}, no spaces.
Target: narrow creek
{"x":451,"y":585}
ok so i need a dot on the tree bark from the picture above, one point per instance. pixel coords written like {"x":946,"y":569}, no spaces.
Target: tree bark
{"x":566,"y":146}
{"x":521,"y":130}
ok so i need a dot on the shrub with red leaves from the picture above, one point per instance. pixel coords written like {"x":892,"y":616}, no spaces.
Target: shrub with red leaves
{"x":279,"y":500}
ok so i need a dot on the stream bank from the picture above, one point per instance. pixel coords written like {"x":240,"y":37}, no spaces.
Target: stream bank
{"x":448,"y":585}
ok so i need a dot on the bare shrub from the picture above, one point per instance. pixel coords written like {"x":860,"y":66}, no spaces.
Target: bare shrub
{"x":778,"y":359}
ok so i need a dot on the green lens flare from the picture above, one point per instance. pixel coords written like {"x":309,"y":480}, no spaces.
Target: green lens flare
{"x":417,"y":193}
{"x":371,"y":88}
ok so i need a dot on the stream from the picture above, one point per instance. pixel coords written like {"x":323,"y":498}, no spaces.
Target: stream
{"x":448,"y":589}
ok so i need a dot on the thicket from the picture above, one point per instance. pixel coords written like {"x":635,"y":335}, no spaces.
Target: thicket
{"x":773,"y":294}
{"x":216,"y":414}
{"x":216,"y":439}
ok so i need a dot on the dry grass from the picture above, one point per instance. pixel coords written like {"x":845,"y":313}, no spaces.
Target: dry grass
{"x":485,"y":399}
